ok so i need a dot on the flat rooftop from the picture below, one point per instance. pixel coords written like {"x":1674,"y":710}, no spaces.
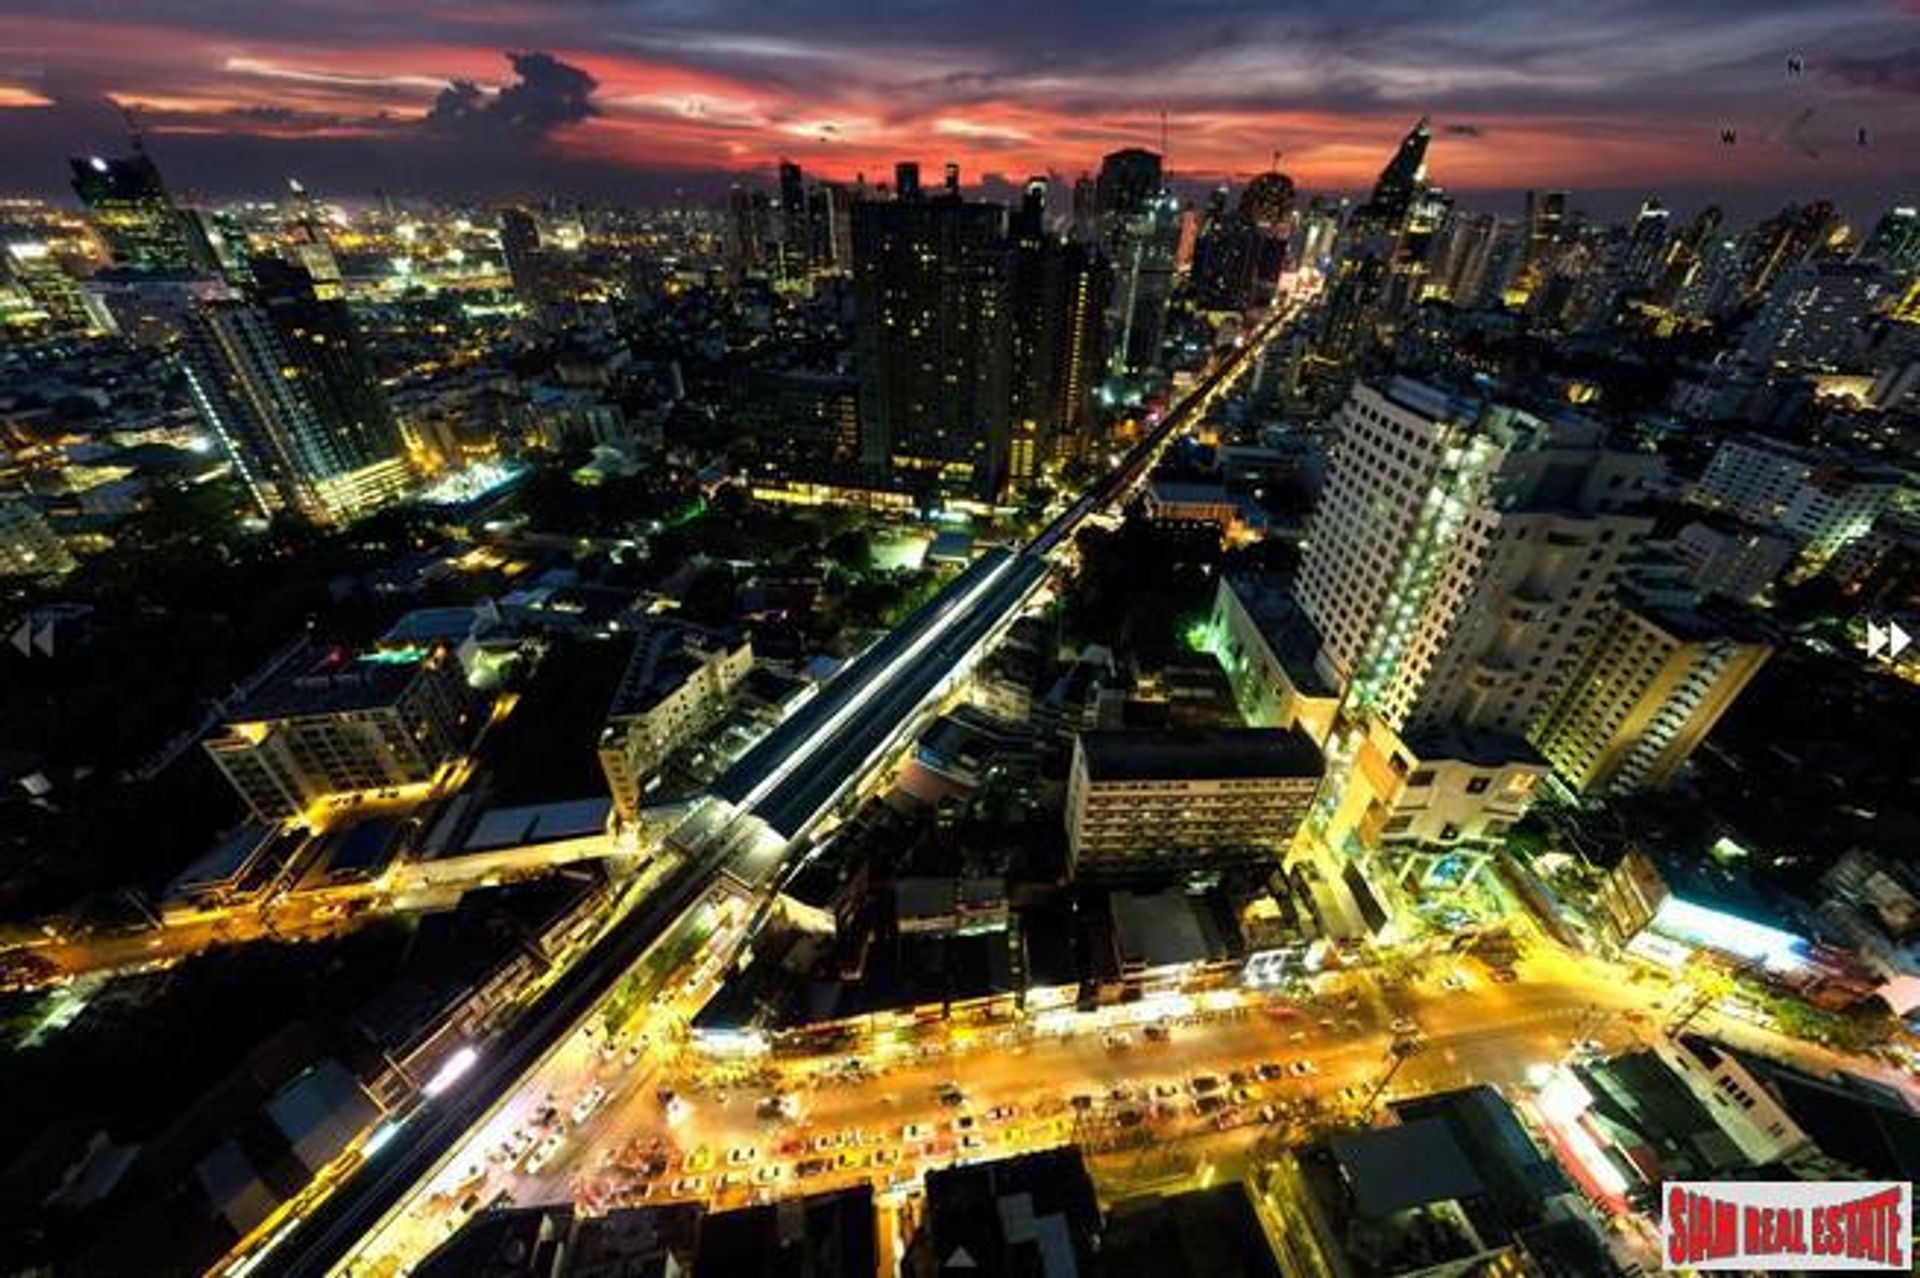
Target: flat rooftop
{"x":1201,"y":754}
{"x":319,"y":679}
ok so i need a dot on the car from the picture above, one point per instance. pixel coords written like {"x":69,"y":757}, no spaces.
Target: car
{"x":635,"y":1050}
{"x":811,"y":1166}
{"x":1082,"y":1102}
{"x":884,"y":1157}
{"x":1001,"y":1112}
{"x":950,"y":1096}
{"x":728,"y":1180}
{"x":766,"y":1173}
{"x":915,"y":1132}
{"x":1244,"y":1096}
{"x":742,"y":1154}
{"x":698,"y":1161}
{"x":1120,"y":1094}
{"x":825,"y":1141}
{"x":1166,"y":1091}
{"x":1118,"y":1041}
{"x":1204,"y":1083}
{"x":1158,"y":1034}
{"x":589,"y":1101}
{"x":689,"y":1186}
{"x":973,"y":1141}
{"x":1270,"y":1070}
{"x":1129,"y":1117}
{"x":1304,"y":1068}
{"x":964,"y":1123}
{"x":1237,"y":1078}
{"x":849,"y":1159}
{"x":1209,"y":1105}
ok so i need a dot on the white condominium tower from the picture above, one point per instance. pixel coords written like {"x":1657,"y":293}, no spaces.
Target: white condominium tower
{"x":1462,"y":552}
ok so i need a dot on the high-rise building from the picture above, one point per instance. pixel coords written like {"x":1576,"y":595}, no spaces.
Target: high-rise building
{"x":1129,"y":180}
{"x":1267,"y":201}
{"x":1145,"y":247}
{"x":325,"y":723}
{"x":28,"y":548}
{"x":749,"y":228}
{"x":1058,"y":304}
{"x":1815,"y":317}
{"x":30,"y":266}
{"x":1782,"y":242}
{"x":1894,"y":242}
{"x":933,"y":338}
{"x":134,"y":214}
{"x":1820,"y":500}
{"x":1646,"y":244}
{"x":1461,"y":552}
{"x":1401,"y":182}
{"x":280,"y":377}
{"x":1236,"y":261}
{"x":1646,"y":691}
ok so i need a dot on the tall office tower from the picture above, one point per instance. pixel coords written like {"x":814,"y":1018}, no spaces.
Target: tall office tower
{"x":749,"y":228}
{"x":1646,"y":691}
{"x":1145,"y":246}
{"x":1236,"y":261}
{"x":1683,"y":256}
{"x":1086,"y":209}
{"x":32,"y":268}
{"x":1401,"y":182}
{"x":28,"y":548}
{"x":1130,"y":180}
{"x":1462,"y":257}
{"x":906,"y":180}
{"x":281,"y":379}
{"x":1646,"y":244}
{"x":1815,"y":315}
{"x":1712,"y":287}
{"x":1460,"y":553}
{"x":134,"y":214}
{"x":1546,"y":218}
{"x":1376,"y":255}
{"x":830,"y":224}
{"x":932,"y":338}
{"x":796,"y":233}
{"x":1267,"y":201}
{"x":1058,"y":304}
{"x":1894,"y":242}
{"x":1783,"y":241}
{"x":536,"y":282}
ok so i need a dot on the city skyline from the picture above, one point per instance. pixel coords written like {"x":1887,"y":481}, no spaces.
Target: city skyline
{"x":599,"y":101}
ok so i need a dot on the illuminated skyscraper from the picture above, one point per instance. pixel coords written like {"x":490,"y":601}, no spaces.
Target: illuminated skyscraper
{"x":1059,"y":299}
{"x":1645,"y":693}
{"x":1145,"y":245}
{"x":1460,"y":553}
{"x":281,"y":379}
{"x":933,"y":338}
{"x":1129,"y":180}
{"x":135,"y":216}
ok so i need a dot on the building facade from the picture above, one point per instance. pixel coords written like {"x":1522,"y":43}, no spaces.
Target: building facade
{"x":1649,"y":688}
{"x":677,"y":684}
{"x":325,"y":724}
{"x":1138,"y":800}
{"x":1461,"y":553}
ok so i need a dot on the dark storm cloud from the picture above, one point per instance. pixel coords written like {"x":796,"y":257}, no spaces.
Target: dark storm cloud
{"x":549,"y":95}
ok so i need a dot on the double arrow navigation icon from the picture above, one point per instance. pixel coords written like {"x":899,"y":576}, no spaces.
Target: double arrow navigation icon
{"x":1887,"y":641}
{"x":27,"y":640}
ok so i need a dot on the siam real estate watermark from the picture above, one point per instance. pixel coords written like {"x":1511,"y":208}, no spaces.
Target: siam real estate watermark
{"x":1798,"y":1225}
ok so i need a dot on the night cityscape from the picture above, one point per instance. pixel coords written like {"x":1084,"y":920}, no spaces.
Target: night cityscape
{"x":732,"y":640}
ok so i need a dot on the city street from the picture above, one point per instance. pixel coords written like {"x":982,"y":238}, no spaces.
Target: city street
{"x":1153,"y":1115}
